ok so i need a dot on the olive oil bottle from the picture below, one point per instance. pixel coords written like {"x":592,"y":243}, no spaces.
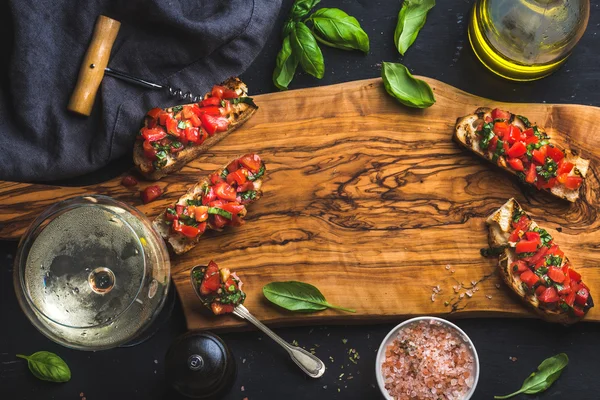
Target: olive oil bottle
{"x":523,"y":40}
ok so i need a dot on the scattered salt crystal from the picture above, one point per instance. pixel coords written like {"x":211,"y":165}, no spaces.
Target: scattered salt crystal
{"x":448,"y":266}
{"x":473,"y":283}
{"x":461,"y":296}
{"x":469,"y":293}
{"x":244,"y":361}
{"x":513,"y":359}
{"x":433,"y":297}
{"x":497,"y":286}
{"x":452,"y":271}
{"x":489,"y":296}
{"x":242,"y":389}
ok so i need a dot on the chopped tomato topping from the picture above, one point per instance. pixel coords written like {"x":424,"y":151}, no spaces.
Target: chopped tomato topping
{"x":500,"y":114}
{"x":252,"y":162}
{"x":514,"y":134}
{"x":555,"y":154}
{"x":214,"y":124}
{"x":564,"y":167}
{"x":154,"y":112}
{"x":535,"y":236}
{"x":239,"y":176}
{"x":225,"y":192}
{"x":550,"y":295}
{"x":129,"y":181}
{"x":526,"y":246}
{"x":529,"y":132}
{"x":529,"y":278}
{"x":519,"y":266}
{"x":516,"y":164}
{"x":211,"y":101}
{"x":154,"y":134}
{"x":151,"y":193}
{"x":571,"y":182}
{"x":531,"y":175}
{"x":502,"y":129}
{"x":516,"y":150}
{"x":539,"y":156}
{"x":556,"y":274}
{"x":581,"y":296}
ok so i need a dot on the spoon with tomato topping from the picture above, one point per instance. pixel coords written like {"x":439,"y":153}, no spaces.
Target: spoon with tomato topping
{"x":220,"y":290}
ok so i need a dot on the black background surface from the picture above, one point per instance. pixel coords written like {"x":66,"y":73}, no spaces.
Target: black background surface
{"x":264,"y":370}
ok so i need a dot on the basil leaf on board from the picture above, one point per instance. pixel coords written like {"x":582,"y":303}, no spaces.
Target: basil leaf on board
{"x":547,"y":373}
{"x":47,"y":366}
{"x":298,"y":296}
{"x":335,"y":28}
{"x":285,"y":65}
{"x":411,"y":19}
{"x":307,"y":50}
{"x":301,"y":8}
{"x":399,"y":83}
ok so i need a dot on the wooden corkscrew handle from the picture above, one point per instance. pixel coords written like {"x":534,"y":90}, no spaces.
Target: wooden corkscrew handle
{"x":93,"y":65}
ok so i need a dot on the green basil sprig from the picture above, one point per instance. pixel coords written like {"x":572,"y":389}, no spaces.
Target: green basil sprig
{"x":47,"y":366}
{"x":400,"y":84}
{"x":547,"y":373}
{"x":330,"y":26}
{"x":333,"y":27}
{"x":411,"y":19}
{"x":298,"y":296}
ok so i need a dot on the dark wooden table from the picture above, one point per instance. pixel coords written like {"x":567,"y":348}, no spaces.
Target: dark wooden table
{"x":509,"y":350}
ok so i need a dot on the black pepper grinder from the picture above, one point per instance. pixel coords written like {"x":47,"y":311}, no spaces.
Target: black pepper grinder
{"x":199,"y":365}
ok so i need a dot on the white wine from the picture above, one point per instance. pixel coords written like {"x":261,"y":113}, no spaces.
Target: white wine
{"x":92,"y":274}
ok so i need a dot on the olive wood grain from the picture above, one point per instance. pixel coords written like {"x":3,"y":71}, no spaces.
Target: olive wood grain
{"x":370,"y":201}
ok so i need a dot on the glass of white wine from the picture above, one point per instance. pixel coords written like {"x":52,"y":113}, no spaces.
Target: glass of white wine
{"x":91,"y":273}
{"x":523,"y":40}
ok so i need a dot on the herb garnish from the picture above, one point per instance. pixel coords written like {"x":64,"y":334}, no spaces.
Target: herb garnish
{"x":219,"y":211}
{"x":545,"y":237}
{"x":488,"y":134}
{"x":408,"y":90}
{"x":261,"y":172}
{"x":554,"y":260}
{"x":244,"y":99}
{"x":177,"y":109}
{"x":547,"y":373}
{"x":47,"y":366}
{"x":548,"y":170}
{"x":298,"y":296}
{"x":411,"y":19}
{"x":249,"y":195}
{"x":525,"y":121}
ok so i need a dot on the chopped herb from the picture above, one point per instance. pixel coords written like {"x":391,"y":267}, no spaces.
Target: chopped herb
{"x":545,"y":237}
{"x":159,"y":147}
{"x":525,"y":255}
{"x":246,"y":100}
{"x":499,"y":150}
{"x":521,"y":176}
{"x":171,"y":211}
{"x":261,"y":172}
{"x":222,"y":103}
{"x":205,"y":189}
{"x":182,"y":125}
{"x":187,"y":220}
{"x":176,"y":145}
{"x":541,"y":271}
{"x":487,"y":134}
{"x":224,"y":173}
{"x":219,"y":211}
{"x":177,"y":109}
{"x":548,"y":170}
{"x":194,"y":202}
{"x":249,"y":195}
{"x":517,"y":214}
{"x":564,"y":306}
{"x":554,"y":260}
{"x":525,"y":121}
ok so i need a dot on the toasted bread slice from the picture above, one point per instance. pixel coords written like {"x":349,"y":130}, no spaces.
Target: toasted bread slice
{"x":241,"y":112}
{"x":180,"y":243}
{"x":466,"y":135}
{"x":499,"y":230}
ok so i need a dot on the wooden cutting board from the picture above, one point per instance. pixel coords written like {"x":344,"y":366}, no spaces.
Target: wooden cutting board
{"x":370,"y":201}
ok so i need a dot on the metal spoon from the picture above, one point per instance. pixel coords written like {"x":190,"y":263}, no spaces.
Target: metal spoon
{"x":307,"y":362}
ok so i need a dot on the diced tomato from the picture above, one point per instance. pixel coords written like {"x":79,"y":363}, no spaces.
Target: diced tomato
{"x":545,"y":184}
{"x":570,"y":299}
{"x":516,"y":150}
{"x":192,"y":134}
{"x":529,"y":132}
{"x":540,"y":290}
{"x":556,"y":251}
{"x":151,"y":193}
{"x":519,"y":266}
{"x":214,"y":124}
{"x":211,"y":282}
{"x":218,"y":221}
{"x":532,"y":140}
{"x":529,"y":278}
{"x":578,"y":311}
{"x":500,"y":114}
{"x":571,"y":182}
{"x":171,"y":217}
{"x":531,"y":174}
{"x":581,"y":296}
{"x":188,"y":231}
{"x":215,"y":178}
{"x":154,"y":134}
{"x":514,"y":134}
{"x":201,"y":213}
{"x":515,"y":235}
{"x":502,"y":129}
{"x":217,"y":203}
{"x":566,"y":290}
{"x":541,"y":253}
{"x":252,"y":162}
{"x":493,"y":144}
{"x":249,"y":185}
{"x":129,"y":181}
{"x":574,"y":275}
{"x":209,"y":196}
{"x":172,"y":128}
{"x":154,"y":113}
{"x":539,"y":156}
{"x":230,"y":94}
{"x":555,"y":154}
{"x":163,"y":116}
{"x":526,"y":246}
{"x":506,"y":146}
{"x":233,"y":208}
{"x":556,"y":274}
{"x":195,"y":120}
{"x":187,"y":111}
{"x":516,"y":163}
{"x":212,"y":110}
{"x":531,"y":235}
{"x":211,"y":101}
{"x":550,"y":295}
{"x":217,"y":91}
{"x":522,"y":223}
{"x":218,"y":308}
{"x":239,"y":176}
{"x":233,"y":166}
{"x":488,"y":119}
{"x":224,"y":191}
{"x":564,"y":167}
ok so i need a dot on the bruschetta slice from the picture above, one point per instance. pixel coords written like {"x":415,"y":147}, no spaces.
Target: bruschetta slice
{"x":216,"y":201}
{"x":172,"y":137}
{"x":535,"y":268}
{"x":523,"y":149}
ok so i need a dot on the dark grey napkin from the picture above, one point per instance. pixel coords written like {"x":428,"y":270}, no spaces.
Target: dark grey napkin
{"x":187,"y":44}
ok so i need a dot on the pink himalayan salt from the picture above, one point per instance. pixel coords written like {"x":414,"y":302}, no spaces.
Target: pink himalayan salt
{"x":428,"y":360}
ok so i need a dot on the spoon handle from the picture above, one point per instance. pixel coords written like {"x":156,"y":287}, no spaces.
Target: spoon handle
{"x":308,"y":362}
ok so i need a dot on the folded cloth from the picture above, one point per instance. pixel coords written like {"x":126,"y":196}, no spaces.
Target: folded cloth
{"x":189,"y":44}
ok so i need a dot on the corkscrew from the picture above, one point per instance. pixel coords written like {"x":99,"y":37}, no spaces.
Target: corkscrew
{"x":94,"y":67}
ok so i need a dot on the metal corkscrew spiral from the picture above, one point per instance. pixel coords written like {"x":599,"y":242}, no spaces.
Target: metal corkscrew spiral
{"x":174,"y":92}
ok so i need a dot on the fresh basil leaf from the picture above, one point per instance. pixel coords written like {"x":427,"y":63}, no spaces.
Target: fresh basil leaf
{"x":411,"y":19}
{"x":298,"y":296}
{"x":249,"y":195}
{"x":547,"y":373}
{"x":288,"y":27}
{"x":181,"y":125}
{"x":47,"y":366}
{"x":219,"y":211}
{"x":524,"y":120}
{"x":399,"y":83}
{"x":301,"y":8}
{"x":335,"y":28}
{"x":285,"y":65}
{"x":306,"y":49}
{"x":261,"y":172}
{"x":245,"y":100}
{"x":176,"y":109}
